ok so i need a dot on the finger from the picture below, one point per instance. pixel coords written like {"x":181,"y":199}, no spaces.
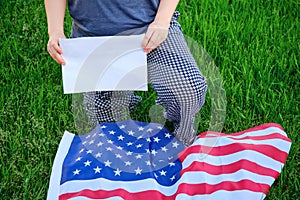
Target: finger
{"x":147,"y":50}
{"x":60,"y":60}
{"x":54,"y":46}
{"x":147,"y":37}
{"x":57,"y":48}
{"x":193,"y":139}
{"x":57,"y":57}
{"x":154,"y":41}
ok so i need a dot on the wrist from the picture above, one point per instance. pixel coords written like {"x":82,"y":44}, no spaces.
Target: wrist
{"x":56,"y":33}
{"x":162,"y":22}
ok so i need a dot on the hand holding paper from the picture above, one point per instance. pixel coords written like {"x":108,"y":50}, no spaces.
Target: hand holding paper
{"x":155,"y":35}
{"x":54,"y":49}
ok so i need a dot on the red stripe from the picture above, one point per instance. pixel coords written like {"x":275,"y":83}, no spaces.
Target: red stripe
{"x":257,"y":128}
{"x":204,"y":188}
{"x":184,"y":188}
{"x":261,"y":137}
{"x":267,"y":150}
{"x":230,"y":168}
{"x":104,"y":194}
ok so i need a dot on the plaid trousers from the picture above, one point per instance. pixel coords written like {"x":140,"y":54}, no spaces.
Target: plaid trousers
{"x":175,"y":76}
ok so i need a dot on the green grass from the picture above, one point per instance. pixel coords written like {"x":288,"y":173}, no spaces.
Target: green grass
{"x":255,"y":45}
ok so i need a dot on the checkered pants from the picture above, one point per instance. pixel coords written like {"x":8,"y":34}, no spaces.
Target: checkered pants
{"x":176,"y":78}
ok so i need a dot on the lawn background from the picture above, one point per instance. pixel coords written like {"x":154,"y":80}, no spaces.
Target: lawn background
{"x":255,"y":45}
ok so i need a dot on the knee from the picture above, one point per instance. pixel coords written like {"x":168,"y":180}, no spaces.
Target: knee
{"x":194,"y":95}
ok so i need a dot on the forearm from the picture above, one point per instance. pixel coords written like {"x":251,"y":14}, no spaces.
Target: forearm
{"x":55,"y":11}
{"x":165,"y":11}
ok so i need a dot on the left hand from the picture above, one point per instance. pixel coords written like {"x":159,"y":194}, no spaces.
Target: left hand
{"x":155,"y":35}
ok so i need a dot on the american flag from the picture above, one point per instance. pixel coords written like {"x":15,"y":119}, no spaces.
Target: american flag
{"x":140,"y":161}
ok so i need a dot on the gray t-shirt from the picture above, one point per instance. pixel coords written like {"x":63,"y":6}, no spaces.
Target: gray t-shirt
{"x":111,"y":17}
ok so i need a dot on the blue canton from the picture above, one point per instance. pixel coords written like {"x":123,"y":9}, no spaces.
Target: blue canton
{"x":124,"y":151}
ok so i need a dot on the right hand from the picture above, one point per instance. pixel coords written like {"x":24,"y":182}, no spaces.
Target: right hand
{"x":54,"y":49}
{"x":156,"y":33}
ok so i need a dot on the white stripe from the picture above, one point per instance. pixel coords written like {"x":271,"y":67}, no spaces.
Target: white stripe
{"x":253,"y":156}
{"x":63,"y":148}
{"x":151,"y":184}
{"x":223,"y":141}
{"x":225,"y":195}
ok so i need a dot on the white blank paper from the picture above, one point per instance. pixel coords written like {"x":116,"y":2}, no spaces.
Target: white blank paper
{"x":104,"y":64}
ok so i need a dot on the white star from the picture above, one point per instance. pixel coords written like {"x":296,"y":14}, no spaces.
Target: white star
{"x":121,"y":137}
{"x":149,"y":130}
{"x":103,"y":126}
{"x":141,"y":128}
{"x":175,"y":144}
{"x":122,"y":126}
{"x":97,"y":170}
{"x":129,"y":153}
{"x":170,"y":158}
{"x":139,"y":156}
{"x":173,"y":178}
{"x":155,"y":175}
{"x":111,"y":132}
{"x":167,"y":135}
{"x":130,"y":133}
{"x":148,"y":140}
{"x":84,"y":142}
{"x":148,"y":163}
{"x":89,"y":151}
{"x":101,"y":134}
{"x":129,"y":143}
{"x":98,"y":155}
{"x":91,"y":142}
{"x":153,"y":152}
{"x":81,"y":150}
{"x":128,"y":163}
{"x":99,"y":144}
{"x":109,"y":149}
{"x":140,"y":137}
{"x":119,"y":147}
{"x":87,"y":137}
{"x":94,"y":135}
{"x":138,"y":171}
{"x":76,"y":172}
{"x":78,"y":159}
{"x":107,"y":163}
{"x":139,"y":146}
{"x":87,"y":163}
{"x":147,"y":151}
{"x":117,"y":172}
{"x":110,"y":141}
{"x":156,"y":139}
{"x":118,"y":156}
{"x":163,"y":173}
{"x":164,"y":149}
{"x":160,"y":127}
{"x":171,"y":164}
